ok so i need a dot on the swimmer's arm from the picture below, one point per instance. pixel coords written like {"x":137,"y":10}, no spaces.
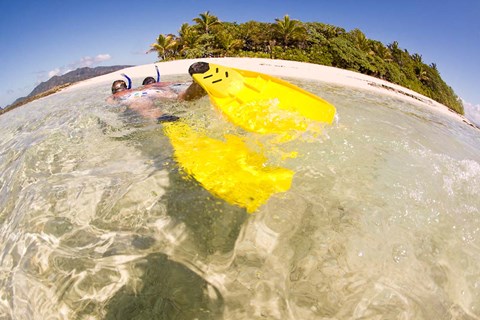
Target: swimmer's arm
{"x":111,"y":100}
{"x":194,"y":91}
{"x":158,"y":85}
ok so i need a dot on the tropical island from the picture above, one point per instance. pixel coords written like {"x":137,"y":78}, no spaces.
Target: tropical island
{"x":312,"y":42}
{"x":285,"y":39}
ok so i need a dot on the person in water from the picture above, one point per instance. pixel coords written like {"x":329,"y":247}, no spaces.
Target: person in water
{"x":142,"y":100}
{"x":148,"y":80}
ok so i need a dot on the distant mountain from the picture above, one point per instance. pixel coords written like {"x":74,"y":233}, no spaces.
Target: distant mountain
{"x":68,"y":78}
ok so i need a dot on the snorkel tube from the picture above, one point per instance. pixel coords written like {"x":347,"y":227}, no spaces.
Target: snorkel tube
{"x":158,"y":74}
{"x":129,"y":81}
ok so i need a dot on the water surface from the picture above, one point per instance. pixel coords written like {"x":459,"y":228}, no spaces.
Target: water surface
{"x":97,"y":221}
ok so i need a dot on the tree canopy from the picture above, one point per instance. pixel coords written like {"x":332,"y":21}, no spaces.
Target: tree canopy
{"x":313,"y":42}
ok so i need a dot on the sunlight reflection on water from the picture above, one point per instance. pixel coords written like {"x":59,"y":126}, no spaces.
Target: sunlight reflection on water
{"x":98,"y":221}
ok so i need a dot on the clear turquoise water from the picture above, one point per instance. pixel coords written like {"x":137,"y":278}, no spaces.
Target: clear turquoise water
{"x":98,"y":222}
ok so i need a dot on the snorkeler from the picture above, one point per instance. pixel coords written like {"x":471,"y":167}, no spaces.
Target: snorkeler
{"x":151,"y":80}
{"x":142,"y":100}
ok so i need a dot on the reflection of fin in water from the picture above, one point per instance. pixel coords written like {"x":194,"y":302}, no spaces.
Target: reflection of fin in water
{"x":227,"y":169}
{"x":169,"y":290}
{"x":258,"y":102}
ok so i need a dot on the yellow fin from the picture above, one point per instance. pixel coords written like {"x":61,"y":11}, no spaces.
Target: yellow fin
{"x":261,"y":103}
{"x":227,"y":169}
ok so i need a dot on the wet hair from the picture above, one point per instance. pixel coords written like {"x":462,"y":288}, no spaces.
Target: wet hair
{"x":148,"y":80}
{"x":118,"y":85}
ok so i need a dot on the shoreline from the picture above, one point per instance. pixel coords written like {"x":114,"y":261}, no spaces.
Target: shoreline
{"x":283,"y":68}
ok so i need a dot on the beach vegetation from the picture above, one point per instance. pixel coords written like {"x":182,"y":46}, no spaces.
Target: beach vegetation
{"x":312,"y":42}
{"x":289,"y":31}
{"x":205,"y":22}
{"x":166,"y":46}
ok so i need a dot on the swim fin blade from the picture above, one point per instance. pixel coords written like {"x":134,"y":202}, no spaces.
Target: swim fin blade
{"x":258,"y":102}
{"x":228,"y":169}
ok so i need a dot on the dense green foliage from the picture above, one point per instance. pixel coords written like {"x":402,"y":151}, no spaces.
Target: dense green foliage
{"x":312,"y":42}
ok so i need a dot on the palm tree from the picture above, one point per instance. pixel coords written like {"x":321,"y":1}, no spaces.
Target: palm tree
{"x":330,"y":31}
{"x":187,"y":38}
{"x":288,"y":29}
{"x":421,"y":73}
{"x":394,"y":46}
{"x":381,"y":51}
{"x":397,"y":54}
{"x":361,"y":40}
{"x":206,"y":21}
{"x":420,"y":68}
{"x":165,"y":46}
{"x":228,"y":42}
{"x":417,"y":58}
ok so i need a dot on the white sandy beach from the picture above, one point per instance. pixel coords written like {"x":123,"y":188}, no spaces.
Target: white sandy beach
{"x":283,"y":68}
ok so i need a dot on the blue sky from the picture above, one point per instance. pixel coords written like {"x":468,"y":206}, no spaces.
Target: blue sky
{"x":43,"y":38}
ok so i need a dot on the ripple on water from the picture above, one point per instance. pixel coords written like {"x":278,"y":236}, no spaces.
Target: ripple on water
{"x":98,"y":221}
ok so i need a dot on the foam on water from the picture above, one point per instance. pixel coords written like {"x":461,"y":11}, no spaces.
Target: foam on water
{"x":98,"y":222}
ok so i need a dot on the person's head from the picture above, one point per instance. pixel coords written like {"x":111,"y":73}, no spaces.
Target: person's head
{"x":118,"y":85}
{"x":148,"y":80}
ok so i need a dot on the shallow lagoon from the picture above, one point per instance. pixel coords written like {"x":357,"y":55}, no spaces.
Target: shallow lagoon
{"x":98,"y":221}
